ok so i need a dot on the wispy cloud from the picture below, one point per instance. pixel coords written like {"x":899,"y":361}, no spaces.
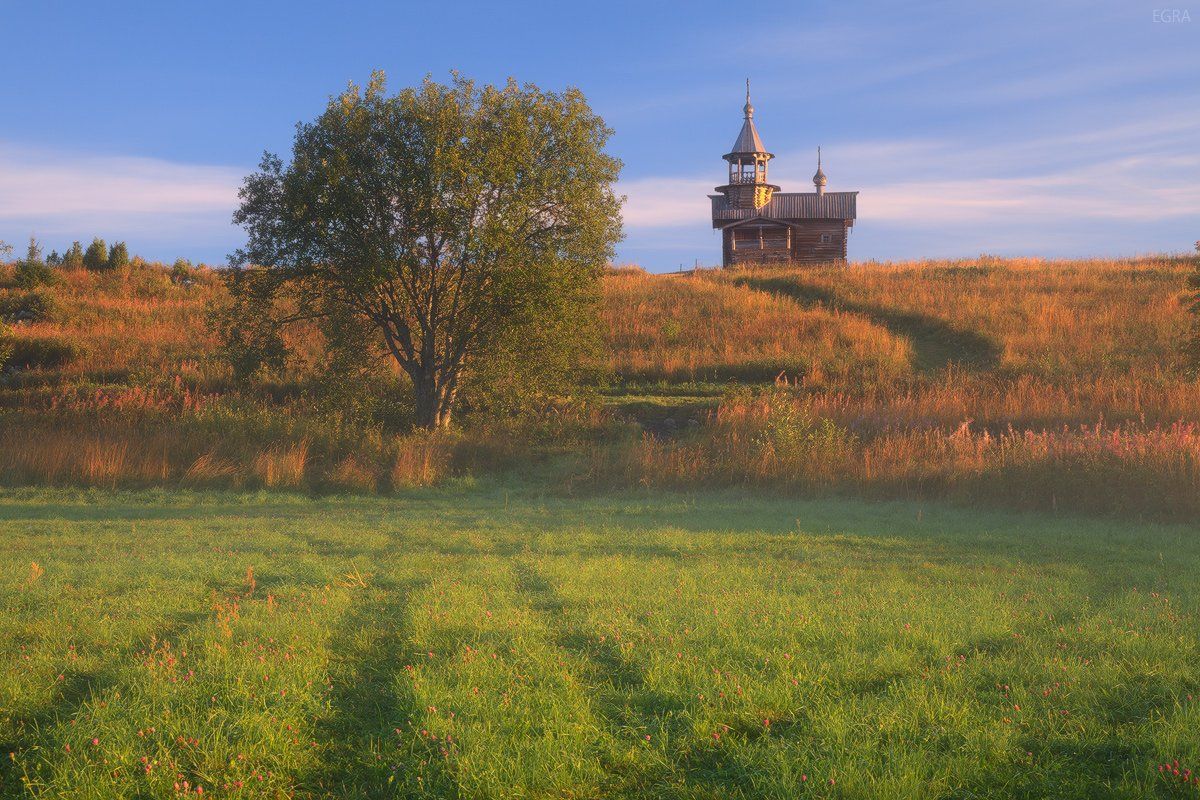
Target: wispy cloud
{"x":1133,"y":171}
{"x":76,"y":195}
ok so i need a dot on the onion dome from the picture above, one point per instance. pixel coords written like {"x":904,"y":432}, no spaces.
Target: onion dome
{"x":819,"y":179}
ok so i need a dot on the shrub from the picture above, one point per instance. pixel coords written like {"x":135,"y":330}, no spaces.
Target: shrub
{"x":789,"y":433}
{"x":31,"y":274}
{"x":181,"y":270}
{"x":36,"y":306}
{"x":96,"y":256}
{"x":41,"y":352}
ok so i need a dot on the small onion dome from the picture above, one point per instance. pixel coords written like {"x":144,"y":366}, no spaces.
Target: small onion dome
{"x":819,"y":179}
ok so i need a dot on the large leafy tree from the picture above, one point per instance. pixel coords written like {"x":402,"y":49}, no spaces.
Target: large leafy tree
{"x":449,"y":219}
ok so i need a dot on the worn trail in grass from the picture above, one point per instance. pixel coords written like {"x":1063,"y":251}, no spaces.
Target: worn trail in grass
{"x":495,"y":642}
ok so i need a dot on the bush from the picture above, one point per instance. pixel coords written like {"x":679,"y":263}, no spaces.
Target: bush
{"x":790,"y":434}
{"x":38,"y":306}
{"x":5,"y":346}
{"x":181,"y":270}
{"x":31,"y":274}
{"x":40,"y":353}
{"x":96,"y":257}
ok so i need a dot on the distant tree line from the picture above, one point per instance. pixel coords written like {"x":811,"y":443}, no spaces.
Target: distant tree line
{"x":36,"y":270}
{"x":98,"y":256}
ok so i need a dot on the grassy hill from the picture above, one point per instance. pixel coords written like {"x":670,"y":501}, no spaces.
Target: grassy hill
{"x":1026,"y":382}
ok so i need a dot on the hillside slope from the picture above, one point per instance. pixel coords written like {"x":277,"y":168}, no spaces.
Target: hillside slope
{"x":1022,"y":382}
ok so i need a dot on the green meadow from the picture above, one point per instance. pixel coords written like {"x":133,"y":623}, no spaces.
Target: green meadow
{"x":488,"y":640}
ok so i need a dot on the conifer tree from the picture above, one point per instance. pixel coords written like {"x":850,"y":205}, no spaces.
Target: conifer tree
{"x":96,"y":256}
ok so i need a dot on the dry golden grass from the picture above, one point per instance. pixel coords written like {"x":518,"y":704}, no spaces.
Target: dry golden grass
{"x":1046,"y":318}
{"x":1039,"y":383}
{"x":676,"y":328}
{"x":133,"y":322}
{"x":282,"y":467}
{"x":776,"y":440}
{"x":1033,"y":382}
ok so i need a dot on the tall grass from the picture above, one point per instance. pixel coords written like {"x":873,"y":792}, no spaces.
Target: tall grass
{"x":1052,"y":319}
{"x":1038,"y":383}
{"x":775,"y":440}
{"x":683,"y":329}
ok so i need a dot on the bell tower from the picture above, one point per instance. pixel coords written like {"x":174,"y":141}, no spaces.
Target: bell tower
{"x":748,"y":187}
{"x":762,"y":226}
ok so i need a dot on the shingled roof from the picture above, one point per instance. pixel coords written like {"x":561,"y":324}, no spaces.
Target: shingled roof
{"x":748,"y":141}
{"x":785,"y":206}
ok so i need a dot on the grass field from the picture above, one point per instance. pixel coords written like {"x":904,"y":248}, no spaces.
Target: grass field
{"x":493,"y":641}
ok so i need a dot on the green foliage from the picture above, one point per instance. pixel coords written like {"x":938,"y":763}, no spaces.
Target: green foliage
{"x":181,"y":270}
{"x":30,"y":306}
{"x":789,"y":432}
{"x":352,"y":381}
{"x":54,"y":259}
{"x":73,"y":258}
{"x":535,"y":365}
{"x":31,"y":274}
{"x":490,"y":214}
{"x":34,"y":252}
{"x":95,"y":257}
{"x":31,"y":271}
{"x":41,"y":352}
{"x":118,"y":256}
{"x":249,"y":330}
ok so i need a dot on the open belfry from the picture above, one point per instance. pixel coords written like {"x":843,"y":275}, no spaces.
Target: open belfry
{"x":761,"y":225}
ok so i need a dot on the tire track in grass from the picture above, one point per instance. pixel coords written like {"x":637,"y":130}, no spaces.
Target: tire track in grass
{"x":369,"y":743}
{"x":631,"y":710}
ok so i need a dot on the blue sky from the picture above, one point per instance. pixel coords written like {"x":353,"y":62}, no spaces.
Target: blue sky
{"x":1056,"y":129}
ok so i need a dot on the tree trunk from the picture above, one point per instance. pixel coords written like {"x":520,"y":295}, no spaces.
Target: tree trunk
{"x":434,"y":400}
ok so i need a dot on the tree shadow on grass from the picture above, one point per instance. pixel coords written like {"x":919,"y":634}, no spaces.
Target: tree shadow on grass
{"x":370,"y":746}
{"x":936,"y":343}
